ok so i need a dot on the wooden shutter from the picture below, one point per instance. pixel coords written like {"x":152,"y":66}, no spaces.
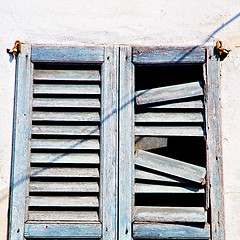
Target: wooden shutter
{"x":169,"y":192}
{"x":70,"y":187}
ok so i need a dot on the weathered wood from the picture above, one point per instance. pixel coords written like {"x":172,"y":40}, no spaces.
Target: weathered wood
{"x":67,"y":172}
{"x":67,"y":102}
{"x":144,"y":175}
{"x":62,"y":54}
{"x":109,"y":144}
{"x":66,"y":89}
{"x":21,"y":144}
{"x":147,"y":143}
{"x":63,"y":230}
{"x":197,"y":104}
{"x":195,"y":131}
{"x":169,"y":117}
{"x":162,"y":94}
{"x":170,"y":231}
{"x":63,"y":216}
{"x":73,"y":158}
{"x":170,"y":166}
{"x":155,"y":188}
{"x":65,"y":130}
{"x":126,"y":144}
{"x":156,"y":55}
{"x":66,"y":116}
{"x":73,"y":201}
{"x":170,"y":214}
{"x":65,"y":144}
{"x":37,"y":186}
{"x":67,"y":75}
{"x":214,"y":146}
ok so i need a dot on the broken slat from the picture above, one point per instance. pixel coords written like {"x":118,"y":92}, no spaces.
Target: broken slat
{"x":170,"y":214}
{"x":190,"y":131}
{"x":169,"y":117}
{"x":37,"y":186}
{"x":73,"y":201}
{"x":65,"y":144}
{"x":66,"y":116}
{"x":172,"y":231}
{"x":155,"y":188}
{"x":146,"y":143}
{"x":174,"y":92}
{"x":198,"y":104}
{"x":144,"y":175}
{"x":64,"y":172}
{"x":67,"y":102}
{"x":63,"y":216}
{"x":170,"y":166}
{"x":66,"y":89}
{"x":67,"y":75}
{"x":65,"y":130}
{"x":73,"y":158}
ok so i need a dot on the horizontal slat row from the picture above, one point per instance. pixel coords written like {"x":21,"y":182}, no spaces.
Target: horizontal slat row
{"x":56,"y":201}
{"x":65,"y":130}
{"x":68,"y":158}
{"x":170,"y":214}
{"x":66,"y":89}
{"x":66,"y":102}
{"x":66,"y":172}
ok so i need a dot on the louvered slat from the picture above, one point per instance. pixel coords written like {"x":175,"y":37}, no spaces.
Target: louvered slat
{"x":67,"y":75}
{"x":66,"y":89}
{"x":68,"y":158}
{"x":66,"y":102}
{"x":170,"y":214}
{"x":65,"y":130}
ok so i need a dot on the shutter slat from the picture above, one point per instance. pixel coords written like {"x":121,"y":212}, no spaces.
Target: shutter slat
{"x":67,"y":75}
{"x":37,"y":186}
{"x":196,"y":131}
{"x":154,"y":188}
{"x":63,"y":216}
{"x":66,"y":116}
{"x":65,"y":130}
{"x":65,"y":144}
{"x":170,"y":214}
{"x":66,"y":89}
{"x":171,"y":166}
{"x":144,"y":175}
{"x":169,"y":117}
{"x":172,"y":231}
{"x":174,"y":92}
{"x":73,"y":158}
{"x":63,"y":230}
{"x":198,"y":104}
{"x":66,"y":102}
{"x":73,"y":201}
{"x":146,"y":143}
{"x":64,"y":172}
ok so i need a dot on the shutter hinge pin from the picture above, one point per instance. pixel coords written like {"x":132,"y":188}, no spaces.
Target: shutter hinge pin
{"x":220,"y":51}
{"x":17,"y":48}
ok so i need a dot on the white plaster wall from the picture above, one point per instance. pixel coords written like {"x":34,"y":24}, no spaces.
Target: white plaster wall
{"x":135,"y":22}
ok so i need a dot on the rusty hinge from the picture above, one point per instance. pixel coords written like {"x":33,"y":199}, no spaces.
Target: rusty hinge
{"x":16,"y":49}
{"x":220,"y":51}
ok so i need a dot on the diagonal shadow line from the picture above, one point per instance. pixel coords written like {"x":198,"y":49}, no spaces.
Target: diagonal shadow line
{"x":132,"y":100}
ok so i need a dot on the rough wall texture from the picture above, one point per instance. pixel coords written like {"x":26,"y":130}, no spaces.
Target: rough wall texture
{"x":136,"y":22}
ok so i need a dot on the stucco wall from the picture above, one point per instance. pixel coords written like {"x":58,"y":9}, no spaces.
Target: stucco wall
{"x":135,"y":22}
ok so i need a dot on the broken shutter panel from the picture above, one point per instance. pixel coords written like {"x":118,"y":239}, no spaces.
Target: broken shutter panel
{"x":65,"y":161}
{"x":169,"y":190}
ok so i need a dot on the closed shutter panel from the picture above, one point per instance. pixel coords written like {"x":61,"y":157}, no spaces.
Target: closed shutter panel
{"x":66,"y":186}
{"x":170,"y":159}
